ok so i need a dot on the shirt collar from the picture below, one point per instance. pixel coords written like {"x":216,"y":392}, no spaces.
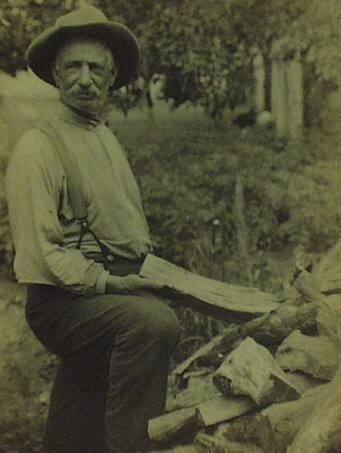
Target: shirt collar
{"x":72,"y":116}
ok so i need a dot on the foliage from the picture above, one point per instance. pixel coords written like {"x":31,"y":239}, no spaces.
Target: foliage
{"x":188,"y":182}
{"x":308,"y":26}
{"x":20,"y":22}
{"x":198,"y":59}
{"x":202,"y":50}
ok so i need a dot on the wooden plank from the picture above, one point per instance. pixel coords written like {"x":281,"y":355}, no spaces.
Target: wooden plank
{"x":162,"y":430}
{"x":222,"y":409}
{"x":209,"y":296}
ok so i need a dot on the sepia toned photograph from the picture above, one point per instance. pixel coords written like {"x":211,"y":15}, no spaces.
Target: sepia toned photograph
{"x":170,"y":229}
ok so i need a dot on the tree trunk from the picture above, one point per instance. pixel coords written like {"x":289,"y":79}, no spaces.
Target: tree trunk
{"x":295,"y":98}
{"x":279,"y":97}
{"x":259,"y":74}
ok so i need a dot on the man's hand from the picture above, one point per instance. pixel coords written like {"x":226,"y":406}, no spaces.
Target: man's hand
{"x":130,"y":284}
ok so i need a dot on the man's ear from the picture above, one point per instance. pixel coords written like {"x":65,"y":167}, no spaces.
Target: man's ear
{"x":114,"y":72}
{"x":55,"y":75}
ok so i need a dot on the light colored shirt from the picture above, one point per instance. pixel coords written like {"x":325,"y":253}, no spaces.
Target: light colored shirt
{"x":43,"y":226}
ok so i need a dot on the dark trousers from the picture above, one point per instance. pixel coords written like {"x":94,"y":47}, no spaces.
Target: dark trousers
{"x":112,"y":379}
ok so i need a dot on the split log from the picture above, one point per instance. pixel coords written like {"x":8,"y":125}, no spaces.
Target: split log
{"x":329,"y":318}
{"x":206,"y":443}
{"x":198,"y":390}
{"x":321,"y":431}
{"x":223,"y":409}
{"x":162,"y":430}
{"x":255,"y":429}
{"x":303,"y":382}
{"x":287,"y":418}
{"x":213,"y":444}
{"x":182,"y":423}
{"x":228,"y":335}
{"x":251,"y":370}
{"x":328,"y":271}
{"x":269,"y":330}
{"x":212,"y":297}
{"x":177,"y":449}
{"x":316,"y":356}
{"x":306,"y":285}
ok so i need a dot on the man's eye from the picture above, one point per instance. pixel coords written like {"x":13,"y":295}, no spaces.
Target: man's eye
{"x":97,"y":69}
{"x":72,"y":67}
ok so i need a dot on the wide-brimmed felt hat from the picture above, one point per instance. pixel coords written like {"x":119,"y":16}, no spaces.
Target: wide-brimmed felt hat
{"x":88,"y":22}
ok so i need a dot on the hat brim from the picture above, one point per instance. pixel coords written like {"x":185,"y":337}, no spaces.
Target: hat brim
{"x":43,"y":51}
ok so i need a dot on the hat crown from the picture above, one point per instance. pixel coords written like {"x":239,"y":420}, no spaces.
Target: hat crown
{"x":86,"y":15}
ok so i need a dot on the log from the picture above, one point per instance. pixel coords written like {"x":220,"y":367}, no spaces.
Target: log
{"x":321,"y":431}
{"x":251,"y":370}
{"x":198,"y":390}
{"x":287,"y":418}
{"x":328,"y":271}
{"x":176,"y":425}
{"x":255,"y":429}
{"x":302,"y":381}
{"x":212,"y":297}
{"x":228,"y":335}
{"x":316,"y":356}
{"x":212,"y":444}
{"x":162,"y":430}
{"x":269,"y":330}
{"x":329,"y":318}
{"x":308,"y":288}
{"x":223,"y":409}
{"x":206,"y":443}
{"x":177,"y":449}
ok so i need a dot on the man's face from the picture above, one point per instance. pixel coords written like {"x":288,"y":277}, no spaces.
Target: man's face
{"x":84,"y":73}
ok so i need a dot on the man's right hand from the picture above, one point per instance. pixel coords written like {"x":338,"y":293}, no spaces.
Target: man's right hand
{"x":129,"y":284}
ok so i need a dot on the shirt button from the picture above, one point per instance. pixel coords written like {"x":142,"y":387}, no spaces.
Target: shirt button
{"x":110,"y":258}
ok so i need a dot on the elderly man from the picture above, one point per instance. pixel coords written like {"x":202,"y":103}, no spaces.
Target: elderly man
{"x":86,"y":302}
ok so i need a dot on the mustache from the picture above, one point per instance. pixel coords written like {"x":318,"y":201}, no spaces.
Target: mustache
{"x":85,"y":92}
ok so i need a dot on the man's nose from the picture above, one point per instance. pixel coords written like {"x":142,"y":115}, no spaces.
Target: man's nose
{"x":85,"y":76}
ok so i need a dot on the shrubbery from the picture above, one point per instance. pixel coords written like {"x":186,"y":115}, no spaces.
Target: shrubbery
{"x":188,"y":184}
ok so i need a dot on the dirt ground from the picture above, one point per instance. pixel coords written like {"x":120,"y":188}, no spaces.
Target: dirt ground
{"x":25,"y":375}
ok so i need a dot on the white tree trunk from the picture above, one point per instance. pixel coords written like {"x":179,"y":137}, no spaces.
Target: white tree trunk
{"x":279,"y":97}
{"x":295,"y":98}
{"x":259,"y":74}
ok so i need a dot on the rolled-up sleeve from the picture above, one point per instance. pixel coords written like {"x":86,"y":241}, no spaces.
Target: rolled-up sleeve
{"x":34,"y":182}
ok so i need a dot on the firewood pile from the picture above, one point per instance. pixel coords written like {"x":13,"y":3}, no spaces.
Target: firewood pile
{"x":276,"y":382}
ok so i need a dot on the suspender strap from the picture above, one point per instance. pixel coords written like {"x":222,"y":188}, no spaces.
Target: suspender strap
{"x":74,"y":184}
{"x":71,"y":170}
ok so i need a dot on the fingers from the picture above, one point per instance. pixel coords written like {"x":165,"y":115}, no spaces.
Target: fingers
{"x":137,"y":282}
{"x":131,"y":283}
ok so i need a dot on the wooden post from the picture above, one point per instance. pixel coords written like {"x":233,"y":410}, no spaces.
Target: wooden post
{"x":242,"y":232}
{"x":294,"y":75}
{"x":259,"y":74}
{"x":279,"y":97}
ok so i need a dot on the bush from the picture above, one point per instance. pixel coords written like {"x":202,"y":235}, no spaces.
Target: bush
{"x":188,"y":184}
